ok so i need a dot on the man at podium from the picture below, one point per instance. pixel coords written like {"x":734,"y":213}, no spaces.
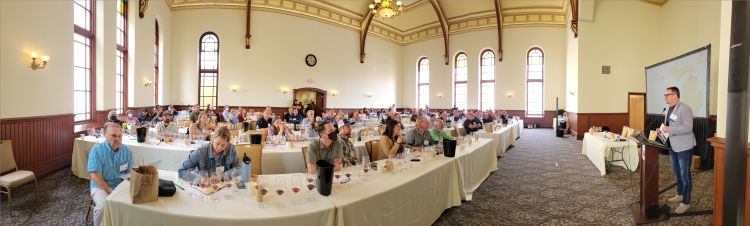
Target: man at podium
{"x":677,"y":128}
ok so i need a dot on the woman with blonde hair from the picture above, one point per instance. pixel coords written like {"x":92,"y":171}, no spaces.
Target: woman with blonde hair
{"x":203,"y":127}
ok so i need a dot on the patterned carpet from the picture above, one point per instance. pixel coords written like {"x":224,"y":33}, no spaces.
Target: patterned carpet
{"x":544,"y":180}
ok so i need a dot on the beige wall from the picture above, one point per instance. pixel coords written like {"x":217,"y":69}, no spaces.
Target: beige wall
{"x":142,"y":52}
{"x":571,"y":70}
{"x":45,"y":27}
{"x":630,"y":35}
{"x":509,"y":74}
{"x":48,"y":29}
{"x":276,"y":60}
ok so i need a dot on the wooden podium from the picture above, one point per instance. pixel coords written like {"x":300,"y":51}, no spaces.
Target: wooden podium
{"x":647,"y":210}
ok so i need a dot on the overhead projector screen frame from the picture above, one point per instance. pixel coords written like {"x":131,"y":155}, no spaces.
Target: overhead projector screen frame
{"x":707,"y":48}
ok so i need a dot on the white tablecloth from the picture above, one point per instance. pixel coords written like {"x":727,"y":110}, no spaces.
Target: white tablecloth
{"x":276,"y":159}
{"x":598,"y":149}
{"x":181,"y":209}
{"x":502,"y":138}
{"x":415,"y":197}
{"x":474,"y":165}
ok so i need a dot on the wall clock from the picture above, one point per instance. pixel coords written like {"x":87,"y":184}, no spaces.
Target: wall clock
{"x":311,"y":60}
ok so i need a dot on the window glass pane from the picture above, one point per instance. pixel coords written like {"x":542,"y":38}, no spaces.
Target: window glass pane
{"x":424,"y":95}
{"x":460,"y":67}
{"x":461,"y":96}
{"x":488,"y":95}
{"x":79,"y":16}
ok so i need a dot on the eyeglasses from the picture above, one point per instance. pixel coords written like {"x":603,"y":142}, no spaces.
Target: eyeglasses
{"x":666,"y":95}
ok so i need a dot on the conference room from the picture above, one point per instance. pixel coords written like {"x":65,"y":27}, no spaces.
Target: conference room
{"x":373,"y":112}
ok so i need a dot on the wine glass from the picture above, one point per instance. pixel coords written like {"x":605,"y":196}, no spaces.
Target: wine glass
{"x":280,"y":185}
{"x":296,"y":181}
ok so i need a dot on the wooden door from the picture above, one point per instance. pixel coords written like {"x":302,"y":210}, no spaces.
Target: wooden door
{"x":637,"y":110}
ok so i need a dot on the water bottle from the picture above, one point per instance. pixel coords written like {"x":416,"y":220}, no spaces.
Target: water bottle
{"x":245,"y":168}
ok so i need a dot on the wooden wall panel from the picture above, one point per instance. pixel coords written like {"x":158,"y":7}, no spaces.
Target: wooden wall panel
{"x":581,"y":122}
{"x":40,"y":144}
{"x":719,"y":145}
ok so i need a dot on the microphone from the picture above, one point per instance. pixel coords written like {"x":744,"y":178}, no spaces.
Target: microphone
{"x":652,"y":122}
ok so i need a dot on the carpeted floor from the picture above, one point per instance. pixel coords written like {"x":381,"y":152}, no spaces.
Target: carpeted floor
{"x":544,"y":180}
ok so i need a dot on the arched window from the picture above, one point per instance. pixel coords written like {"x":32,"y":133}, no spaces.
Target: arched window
{"x":460,"y":90}
{"x":156,"y":63}
{"x":208,"y":70}
{"x":83,"y":60}
{"x":487,"y":80}
{"x":423,"y":82}
{"x":121,"y":61}
{"x":535,"y":83}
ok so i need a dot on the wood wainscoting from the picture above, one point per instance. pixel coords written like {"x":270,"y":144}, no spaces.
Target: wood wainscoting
{"x":719,"y":144}
{"x":41,"y":144}
{"x":581,"y":122}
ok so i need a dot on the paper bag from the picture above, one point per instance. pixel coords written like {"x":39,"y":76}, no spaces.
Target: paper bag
{"x":144,"y":184}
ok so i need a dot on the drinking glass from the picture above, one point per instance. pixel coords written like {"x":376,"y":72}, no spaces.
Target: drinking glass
{"x":280,"y":185}
{"x":296,"y":183}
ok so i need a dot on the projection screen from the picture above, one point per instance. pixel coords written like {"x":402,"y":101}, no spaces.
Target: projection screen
{"x":688,"y":72}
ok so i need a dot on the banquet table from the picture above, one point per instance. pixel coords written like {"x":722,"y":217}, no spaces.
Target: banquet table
{"x":599,"y":150}
{"x":277,"y":159}
{"x":502,"y":138}
{"x":414,"y":193}
{"x":185,"y":209}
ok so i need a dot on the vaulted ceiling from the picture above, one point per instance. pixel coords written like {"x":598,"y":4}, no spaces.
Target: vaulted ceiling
{"x":418,"y":21}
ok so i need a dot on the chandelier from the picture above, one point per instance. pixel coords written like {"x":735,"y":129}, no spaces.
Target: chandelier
{"x":384,"y":8}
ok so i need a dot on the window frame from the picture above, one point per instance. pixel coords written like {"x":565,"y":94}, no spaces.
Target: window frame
{"x":123,"y":49}
{"x":422,"y":85}
{"x":528,"y":54}
{"x":91,"y":35}
{"x":456,"y":82}
{"x":210,"y":71}
{"x":482,"y":81}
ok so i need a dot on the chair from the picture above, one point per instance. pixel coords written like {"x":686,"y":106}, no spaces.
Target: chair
{"x":184,"y":123}
{"x":234,"y":133}
{"x":255,"y":152}
{"x":253,"y":124}
{"x":17,"y":177}
{"x":381,"y":128}
{"x":304,"y":156}
{"x":489,"y":127}
{"x":373,"y":150}
{"x":89,"y":206}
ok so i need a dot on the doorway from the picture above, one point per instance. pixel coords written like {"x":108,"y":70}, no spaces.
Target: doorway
{"x":311,"y":99}
{"x":637,"y":110}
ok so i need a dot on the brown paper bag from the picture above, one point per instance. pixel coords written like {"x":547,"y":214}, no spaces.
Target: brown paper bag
{"x":144,"y":184}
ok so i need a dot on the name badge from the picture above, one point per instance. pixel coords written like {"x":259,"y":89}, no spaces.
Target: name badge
{"x":673,"y":117}
{"x":124,"y":168}
{"x":219,"y":169}
{"x":426,"y":142}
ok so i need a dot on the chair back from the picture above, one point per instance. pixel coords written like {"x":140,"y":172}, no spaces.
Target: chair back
{"x":7,"y":160}
{"x":454,"y":132}
{"x":372,"y":147}
{"x":381,"y":129}
{"x":255,"y":152}
{"x":184,"y":123}
{"x":234,"y":133}
{"x":462,"y":131}
{"x":304,"y":156}
{"x":489,"y":127}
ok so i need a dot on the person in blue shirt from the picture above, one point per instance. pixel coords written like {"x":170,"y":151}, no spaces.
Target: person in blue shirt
{"x":107,"y":161}
{"x":217,"y":154}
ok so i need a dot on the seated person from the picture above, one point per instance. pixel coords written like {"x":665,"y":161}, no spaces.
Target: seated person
{"x":278,"y":129}
{"x":264,"y":121}
{"x":489,"y":117}
{"x":345,"y":133}
{"x":390,"y":143}
{"x":166,"y":127}
{"x":309,"y":121}
{"x":233,"y":117}
{"x":131,"y":119}
{"x":294,"y":118}
{"x":203,"y":127}
{"x":195,"y":111}
{"x":107,"y":161}
{"x":326,"y":148}
{"x":437,"y":132}
{"x":112,"y":117}
{"x":217,"y":154}
{"x":472,"y":124}
{"x":286,"y":115}
{"x":419,"y":137}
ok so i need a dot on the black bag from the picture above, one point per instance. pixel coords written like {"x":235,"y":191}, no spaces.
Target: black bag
{"x":166,"y":188}
{"x":141,"y":132}
{"x":325,"y":177}
{"x":449,"y":148}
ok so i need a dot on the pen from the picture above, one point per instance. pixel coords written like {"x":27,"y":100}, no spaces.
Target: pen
{"x":179,"y":186}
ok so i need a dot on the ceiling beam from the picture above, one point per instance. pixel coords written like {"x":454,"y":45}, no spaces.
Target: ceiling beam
{"x":499,"y":16}
{"x":363,"y":28}
{"x":443,"y":25}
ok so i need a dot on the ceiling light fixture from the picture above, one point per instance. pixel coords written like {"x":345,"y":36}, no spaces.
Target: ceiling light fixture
{"x":385,"y":8}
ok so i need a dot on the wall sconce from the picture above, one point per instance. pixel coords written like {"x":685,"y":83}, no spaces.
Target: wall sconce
{"x":36,"y":65}
{"x":439,"y":95}
{"x":509,"y":94}
{"x":147,"y":83}
{"x":284,"y":90}
{"x":369,"y":94}
{"x":572,"y":93}
{"x":334,"y":93}
{"x":234,"y":89}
